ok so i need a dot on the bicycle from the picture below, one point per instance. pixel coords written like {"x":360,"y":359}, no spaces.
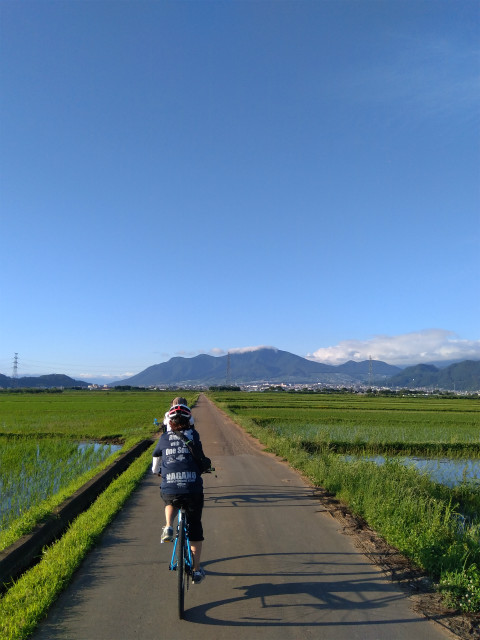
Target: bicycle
{"x":182,"y":558}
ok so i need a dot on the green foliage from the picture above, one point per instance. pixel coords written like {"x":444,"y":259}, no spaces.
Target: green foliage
{"x":224,"y":387}
{"x":462,"y":589}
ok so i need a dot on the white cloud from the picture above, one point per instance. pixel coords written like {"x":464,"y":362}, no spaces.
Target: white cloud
{"x":248,"y":349}
{"x":216,"y":351}
{"x":429,"y":345}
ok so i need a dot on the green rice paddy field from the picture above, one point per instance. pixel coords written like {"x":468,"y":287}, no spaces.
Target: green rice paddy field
{"x":48,"y":450}
{"x":98,"y":415}
{"x":356,"y":422}
{"x":437,"y":527}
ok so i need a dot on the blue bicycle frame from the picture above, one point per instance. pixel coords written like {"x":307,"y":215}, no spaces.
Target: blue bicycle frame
{"x":182,"y":560}
{"x":182,"y":523}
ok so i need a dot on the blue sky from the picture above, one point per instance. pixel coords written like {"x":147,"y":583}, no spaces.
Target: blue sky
{"x":196,"y":177}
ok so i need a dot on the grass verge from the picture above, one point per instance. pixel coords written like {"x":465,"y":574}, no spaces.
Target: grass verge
{"x":28,"y":600}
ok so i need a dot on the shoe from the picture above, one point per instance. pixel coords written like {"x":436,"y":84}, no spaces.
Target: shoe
{"x":198,"y":576}
{"x":167,"y":535}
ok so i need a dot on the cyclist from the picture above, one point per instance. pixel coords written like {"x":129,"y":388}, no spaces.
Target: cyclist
{"x":180,"y":400}
{"x":181,"y":479}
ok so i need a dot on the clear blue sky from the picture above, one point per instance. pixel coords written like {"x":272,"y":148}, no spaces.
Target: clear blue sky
{"x":192,"y":177}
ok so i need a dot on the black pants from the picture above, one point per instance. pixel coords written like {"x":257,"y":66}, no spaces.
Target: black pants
{"x":193,"y":504}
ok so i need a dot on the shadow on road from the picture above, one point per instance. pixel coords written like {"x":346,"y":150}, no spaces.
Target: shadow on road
{"x":256,"y":495}
{"x":310,"y":596}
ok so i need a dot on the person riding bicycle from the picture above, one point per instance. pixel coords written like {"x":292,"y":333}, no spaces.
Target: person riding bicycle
{"x":181,"y":479}
{"x":180,"y":400}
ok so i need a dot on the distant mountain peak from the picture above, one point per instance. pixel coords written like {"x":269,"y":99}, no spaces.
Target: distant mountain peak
{"x":38,"y":382}
{"x":254,"y":365}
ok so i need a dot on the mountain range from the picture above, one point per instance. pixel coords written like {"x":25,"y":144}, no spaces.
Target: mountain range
{"x":461,"y":376}
{"x":275,"y":366}
{"x":260,"y":365}
{"x":41,"y":382}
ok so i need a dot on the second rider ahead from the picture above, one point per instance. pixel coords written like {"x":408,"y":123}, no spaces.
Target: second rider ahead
{"x":181,"y":478}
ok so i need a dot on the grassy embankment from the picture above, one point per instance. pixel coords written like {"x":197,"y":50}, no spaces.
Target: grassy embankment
{"x":436,"y":527}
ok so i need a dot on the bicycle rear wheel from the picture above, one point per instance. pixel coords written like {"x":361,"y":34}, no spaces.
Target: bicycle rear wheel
{"x":181,"y":568}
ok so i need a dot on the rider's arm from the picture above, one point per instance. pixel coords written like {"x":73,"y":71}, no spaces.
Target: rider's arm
{"x":157,"y":458}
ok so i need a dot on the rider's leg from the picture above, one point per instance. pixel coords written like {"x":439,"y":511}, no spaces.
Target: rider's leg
{"x":197,"y":552}
{"x":170,"y":514}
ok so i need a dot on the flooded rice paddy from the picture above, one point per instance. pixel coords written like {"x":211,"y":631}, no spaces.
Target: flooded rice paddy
{"x":450,"y":472}
{"x":32,"y":471}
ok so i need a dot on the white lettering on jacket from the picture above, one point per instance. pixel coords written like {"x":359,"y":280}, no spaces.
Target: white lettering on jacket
{"x":189,"y":476}
{"x":172,"y":452}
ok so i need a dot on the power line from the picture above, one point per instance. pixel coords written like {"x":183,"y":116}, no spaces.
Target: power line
{"x":15,"y":366}
{"x":227,"y":379}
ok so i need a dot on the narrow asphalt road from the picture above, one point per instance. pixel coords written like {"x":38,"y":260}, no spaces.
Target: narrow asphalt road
{"x":277,"y":565}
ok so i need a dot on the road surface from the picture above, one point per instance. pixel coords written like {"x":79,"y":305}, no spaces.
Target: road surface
{"x":278,"y":566}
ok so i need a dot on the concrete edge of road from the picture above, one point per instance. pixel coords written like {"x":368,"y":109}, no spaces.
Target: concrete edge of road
{"x":26,"y":551}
